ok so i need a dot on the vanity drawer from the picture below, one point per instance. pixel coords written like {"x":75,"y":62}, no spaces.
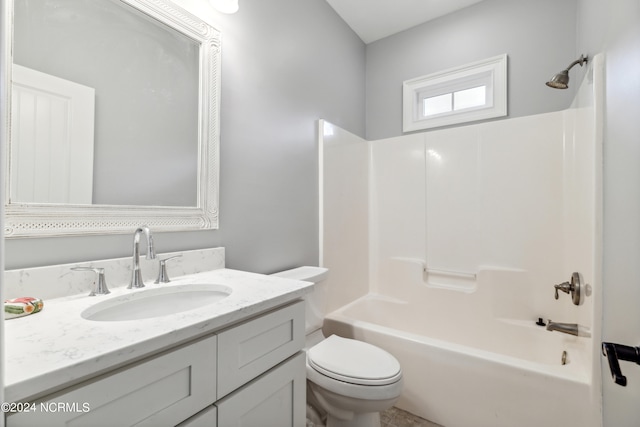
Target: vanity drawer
{"x":275,"y":399}
{"x":253,"y":347}
{"x":162,"y":390}
{"x":205,"y":418}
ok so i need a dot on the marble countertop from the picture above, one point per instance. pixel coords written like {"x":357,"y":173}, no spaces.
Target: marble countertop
{"x":56,"y":347}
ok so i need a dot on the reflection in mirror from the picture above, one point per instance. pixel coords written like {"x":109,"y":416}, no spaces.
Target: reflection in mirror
{"x":145,"y":78}
{"x":52,"y":129}
{"x":114,"y":118}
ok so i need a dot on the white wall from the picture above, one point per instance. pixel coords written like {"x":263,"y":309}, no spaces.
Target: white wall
{"x":345,"y":215}
{"x":398,"y":205}
{"x":514,"y":195}
{"x":614,"y":28}
{"x":539,"y":37}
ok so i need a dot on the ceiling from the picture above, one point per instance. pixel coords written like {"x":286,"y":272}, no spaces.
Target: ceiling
{"x":376,"y":19}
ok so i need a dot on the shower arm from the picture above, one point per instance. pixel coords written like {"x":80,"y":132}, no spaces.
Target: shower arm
{"x":580,"y":61}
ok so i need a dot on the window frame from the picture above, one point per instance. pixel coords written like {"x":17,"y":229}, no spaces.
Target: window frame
{"x":491,"y":72}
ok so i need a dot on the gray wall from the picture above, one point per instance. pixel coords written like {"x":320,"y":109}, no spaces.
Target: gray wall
{"x":614,"y":28}
{"x":538,"y":36}
{"x":285,"y":64}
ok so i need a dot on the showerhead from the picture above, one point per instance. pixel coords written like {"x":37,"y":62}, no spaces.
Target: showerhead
{"x":561,"y":80}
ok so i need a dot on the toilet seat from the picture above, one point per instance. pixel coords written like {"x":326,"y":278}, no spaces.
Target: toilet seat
{"x":354,"y":362}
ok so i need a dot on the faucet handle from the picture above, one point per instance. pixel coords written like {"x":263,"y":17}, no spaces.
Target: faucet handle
{"x":163,"y":277}
{"x":564,"y":287}
{"x":574,"y":288}
{"x":100,"y":287}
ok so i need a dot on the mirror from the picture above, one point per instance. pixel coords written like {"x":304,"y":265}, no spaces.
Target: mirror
{"x":114,"y":118}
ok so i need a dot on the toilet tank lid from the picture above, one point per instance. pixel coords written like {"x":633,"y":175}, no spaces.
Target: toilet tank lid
{"x":306,"y":273}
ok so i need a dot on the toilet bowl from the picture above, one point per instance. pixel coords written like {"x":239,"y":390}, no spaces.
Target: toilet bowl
{"x":349,"y":382}
{"x":352,"y":381}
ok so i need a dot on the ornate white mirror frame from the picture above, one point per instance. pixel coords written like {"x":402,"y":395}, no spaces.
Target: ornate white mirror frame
{"x":42,"y":220}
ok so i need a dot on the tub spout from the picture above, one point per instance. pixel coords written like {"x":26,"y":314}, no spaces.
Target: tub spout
{"x":568,"y":328}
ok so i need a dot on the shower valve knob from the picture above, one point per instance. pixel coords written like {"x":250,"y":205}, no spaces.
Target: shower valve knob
{"x":574,"y":288}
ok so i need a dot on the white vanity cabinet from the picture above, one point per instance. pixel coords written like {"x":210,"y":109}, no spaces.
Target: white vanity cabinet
{"x":206,"y":418}
{"x":275,"y":399}
{"x":162,"y":390}
{"x":251,"y":373}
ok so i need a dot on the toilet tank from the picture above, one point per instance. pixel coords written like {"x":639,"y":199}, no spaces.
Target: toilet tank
{"x":316,"y":300}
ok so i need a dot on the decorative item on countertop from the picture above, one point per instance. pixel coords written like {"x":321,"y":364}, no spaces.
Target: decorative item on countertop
{"x":23,"y":306}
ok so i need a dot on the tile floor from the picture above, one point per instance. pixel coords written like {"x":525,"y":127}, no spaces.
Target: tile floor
{"x":395,"y":417}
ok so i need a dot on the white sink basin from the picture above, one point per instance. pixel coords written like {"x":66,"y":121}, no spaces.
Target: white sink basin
{"x":148,"y":303}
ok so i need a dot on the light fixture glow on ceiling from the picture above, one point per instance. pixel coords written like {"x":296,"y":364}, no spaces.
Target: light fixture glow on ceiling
{"x":225,"y":6}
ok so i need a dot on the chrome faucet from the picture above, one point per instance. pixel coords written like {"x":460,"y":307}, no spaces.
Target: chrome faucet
{"x":568,"y":328}
{"x":136,"y":276}
{"x":100,"y":285}
{"x":163,"y":277}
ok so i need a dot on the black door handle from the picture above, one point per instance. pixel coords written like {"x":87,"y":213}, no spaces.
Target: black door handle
{"x":615,"y":352}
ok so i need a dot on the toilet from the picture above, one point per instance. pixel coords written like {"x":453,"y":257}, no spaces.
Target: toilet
{"x":349,"y":382}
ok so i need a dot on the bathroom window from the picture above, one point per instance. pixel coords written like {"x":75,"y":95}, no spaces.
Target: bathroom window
{"x":471,"y":92}
{"x":454,"y":101}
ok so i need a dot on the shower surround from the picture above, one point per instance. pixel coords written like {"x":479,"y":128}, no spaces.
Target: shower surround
{"x":443,"y":248}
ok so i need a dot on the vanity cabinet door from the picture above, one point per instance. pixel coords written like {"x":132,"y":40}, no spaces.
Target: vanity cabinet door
{"x":275,"y":399}
{"x":251,"y":348}
{"x":162,"y":390}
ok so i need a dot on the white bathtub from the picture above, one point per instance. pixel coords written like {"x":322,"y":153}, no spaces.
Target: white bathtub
{"x":461,"y":372}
